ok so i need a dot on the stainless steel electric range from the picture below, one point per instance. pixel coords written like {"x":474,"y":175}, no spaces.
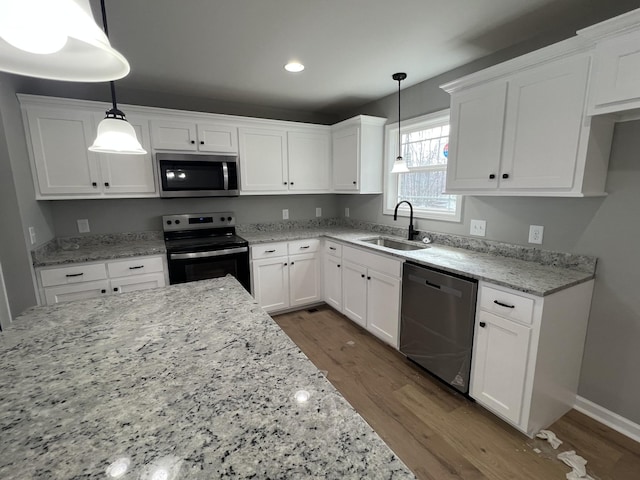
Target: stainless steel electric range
{"x":205,"y":245}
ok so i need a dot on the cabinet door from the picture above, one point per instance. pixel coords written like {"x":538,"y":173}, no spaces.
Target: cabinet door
{"x":354,"y":292}
{"x":309,"y":161}
{"x":333,"y":281}
{"x":271,"y":283}
{"x":500,"y":353}
{"x":346,"y":159}
{"x":545,"y":109}
{"x":475,"y":141}
{"x":60,"y":139}
{"x":129,"y":174}
{"x":383,"y":306}
{"x":263,"y":160}
{"x":217,"y":138}
{"x":137,"y":282}
{"x":304,"y":279}
{"x":77,"y":291}
{"x":616,"y":71}
{"x":173,"y":135}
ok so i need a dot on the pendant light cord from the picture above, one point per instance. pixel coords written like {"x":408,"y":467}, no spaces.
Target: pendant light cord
{"x":399,"y":133}
{"x":106,"y":32}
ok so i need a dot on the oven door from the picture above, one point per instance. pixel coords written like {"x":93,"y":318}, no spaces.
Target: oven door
{"x":189,"y":267}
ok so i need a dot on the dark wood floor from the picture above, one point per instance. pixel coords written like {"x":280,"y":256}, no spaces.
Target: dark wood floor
{"x":438,"y":433}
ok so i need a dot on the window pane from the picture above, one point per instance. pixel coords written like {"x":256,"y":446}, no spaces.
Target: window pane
{"x":424,"y":190}
{"x":425,"y":147}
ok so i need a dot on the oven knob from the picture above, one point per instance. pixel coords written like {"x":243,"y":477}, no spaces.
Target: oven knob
{"x":222,"y":219}
{"x":169,"y":222}
{"x":229,"y":218}
{"x":177,"y":222}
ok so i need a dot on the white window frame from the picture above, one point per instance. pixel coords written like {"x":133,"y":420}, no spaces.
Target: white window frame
{"x":391,"y":179}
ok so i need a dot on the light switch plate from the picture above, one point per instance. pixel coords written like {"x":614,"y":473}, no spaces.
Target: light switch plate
{"x":285,"y":214}
{"x":536,"y":233}
{"x":478,"y":228}
{"x":83,"y":225}
{"x":318,"y":212}
{"x":346,"y":212}
{"x":32,"y":235}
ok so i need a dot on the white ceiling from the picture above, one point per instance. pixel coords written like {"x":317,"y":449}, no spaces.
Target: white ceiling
{"x":234,"y":50}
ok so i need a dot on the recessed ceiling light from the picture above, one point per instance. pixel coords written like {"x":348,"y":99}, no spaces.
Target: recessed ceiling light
{"x":294,"y":67}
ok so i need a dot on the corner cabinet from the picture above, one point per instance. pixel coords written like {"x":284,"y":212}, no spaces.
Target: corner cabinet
{"x":357,"y":149}
{"x":520,"y":128}
{"x":58,"y":137}
{"x":527,"y":353}
{"x":616,"y":70}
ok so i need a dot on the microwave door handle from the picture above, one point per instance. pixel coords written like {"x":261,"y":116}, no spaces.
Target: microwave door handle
{"x":225,"y":174}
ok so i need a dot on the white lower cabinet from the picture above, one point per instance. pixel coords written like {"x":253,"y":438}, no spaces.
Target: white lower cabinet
{"x":90,"y":280}
{"x":333,"y":281}
{"x":527,"y":353}
{"x":286,"y":274}
{"x":371,"y":292}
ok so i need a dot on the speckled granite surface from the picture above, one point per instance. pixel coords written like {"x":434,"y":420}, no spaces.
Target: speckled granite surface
{"x":91,"y":248}
{"x":194,"y":379}
{"x":530,"y":276}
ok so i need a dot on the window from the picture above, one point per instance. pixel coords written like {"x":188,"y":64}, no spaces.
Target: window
{"x":425,"y":146}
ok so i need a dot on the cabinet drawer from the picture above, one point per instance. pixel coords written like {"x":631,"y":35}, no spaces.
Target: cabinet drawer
{"x":79,"y":291}
{"x":304,"y":246}
{"x":134,"y":266}
{"x":380,"y":263}
{"x":268,"y":250}
{"x":332,"y":248}
{"x":73,"y":274}
{"x":506,"y":304}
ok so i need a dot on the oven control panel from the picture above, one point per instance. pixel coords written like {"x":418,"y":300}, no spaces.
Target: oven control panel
{"x":195,"y":221}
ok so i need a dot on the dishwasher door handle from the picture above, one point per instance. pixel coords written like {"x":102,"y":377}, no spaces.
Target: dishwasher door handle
{"x":432,"y":285}
{"x":440,"y":288}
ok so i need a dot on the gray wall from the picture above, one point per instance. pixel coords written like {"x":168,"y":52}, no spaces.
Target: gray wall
{"x":18,"y":207}
{"x":136,"y":215}
{"x":604,"y":227}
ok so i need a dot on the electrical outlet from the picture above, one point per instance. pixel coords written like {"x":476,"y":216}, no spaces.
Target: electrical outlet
{"x":536,"y":233}
{"x":83,"y":225}
{"x":318,"y":212}
{"x":32,"y":235}
{"x":285,"y":214}
{"x":346,"y":212}
{"x":478,"y":228}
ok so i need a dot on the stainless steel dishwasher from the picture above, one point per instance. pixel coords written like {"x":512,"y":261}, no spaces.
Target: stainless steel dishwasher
{"x":437,"y":318}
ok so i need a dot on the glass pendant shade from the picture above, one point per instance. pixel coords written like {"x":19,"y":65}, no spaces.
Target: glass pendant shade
{"x":57,"y":40}
{"x":399,"y":166}
{"x":116,"y":135}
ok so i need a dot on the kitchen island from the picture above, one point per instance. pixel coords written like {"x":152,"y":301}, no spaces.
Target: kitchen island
{"x":188,"y":381}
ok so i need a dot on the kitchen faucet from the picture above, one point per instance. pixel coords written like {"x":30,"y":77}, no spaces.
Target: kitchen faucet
{"x":412,"y":232}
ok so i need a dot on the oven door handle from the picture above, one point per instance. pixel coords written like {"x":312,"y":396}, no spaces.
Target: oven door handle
{"x":225,"y":175}
{"x":215,"y":253}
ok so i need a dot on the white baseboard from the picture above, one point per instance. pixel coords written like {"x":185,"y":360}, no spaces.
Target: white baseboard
{"x":609,"y":418}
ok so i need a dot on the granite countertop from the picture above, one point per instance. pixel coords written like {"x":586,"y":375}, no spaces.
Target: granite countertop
{"x":188,"y":381}
{"x":99,"y":247}
{"x":523,"y":275}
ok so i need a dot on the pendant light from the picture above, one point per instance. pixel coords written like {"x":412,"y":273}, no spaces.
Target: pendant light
{"x":115,"y":134}
{"x":399,"y":165}
{"x":57,"y":40}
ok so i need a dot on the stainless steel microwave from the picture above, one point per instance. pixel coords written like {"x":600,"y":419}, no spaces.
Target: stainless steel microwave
{"x":193,"y":175}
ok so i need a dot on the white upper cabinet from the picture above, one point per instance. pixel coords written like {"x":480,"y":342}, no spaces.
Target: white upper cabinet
{"x":263,"y":160}
{"x":182,"y":135}
{"x":357,"y":151}
{"x":278,"y":161}
{"x":59,"y":135}
{"x":520,"y":128}
{"x":615,"y":85}
{"x":309,"y":161}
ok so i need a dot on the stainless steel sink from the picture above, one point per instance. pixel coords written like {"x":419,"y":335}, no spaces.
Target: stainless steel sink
{"x":393,"y":244}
